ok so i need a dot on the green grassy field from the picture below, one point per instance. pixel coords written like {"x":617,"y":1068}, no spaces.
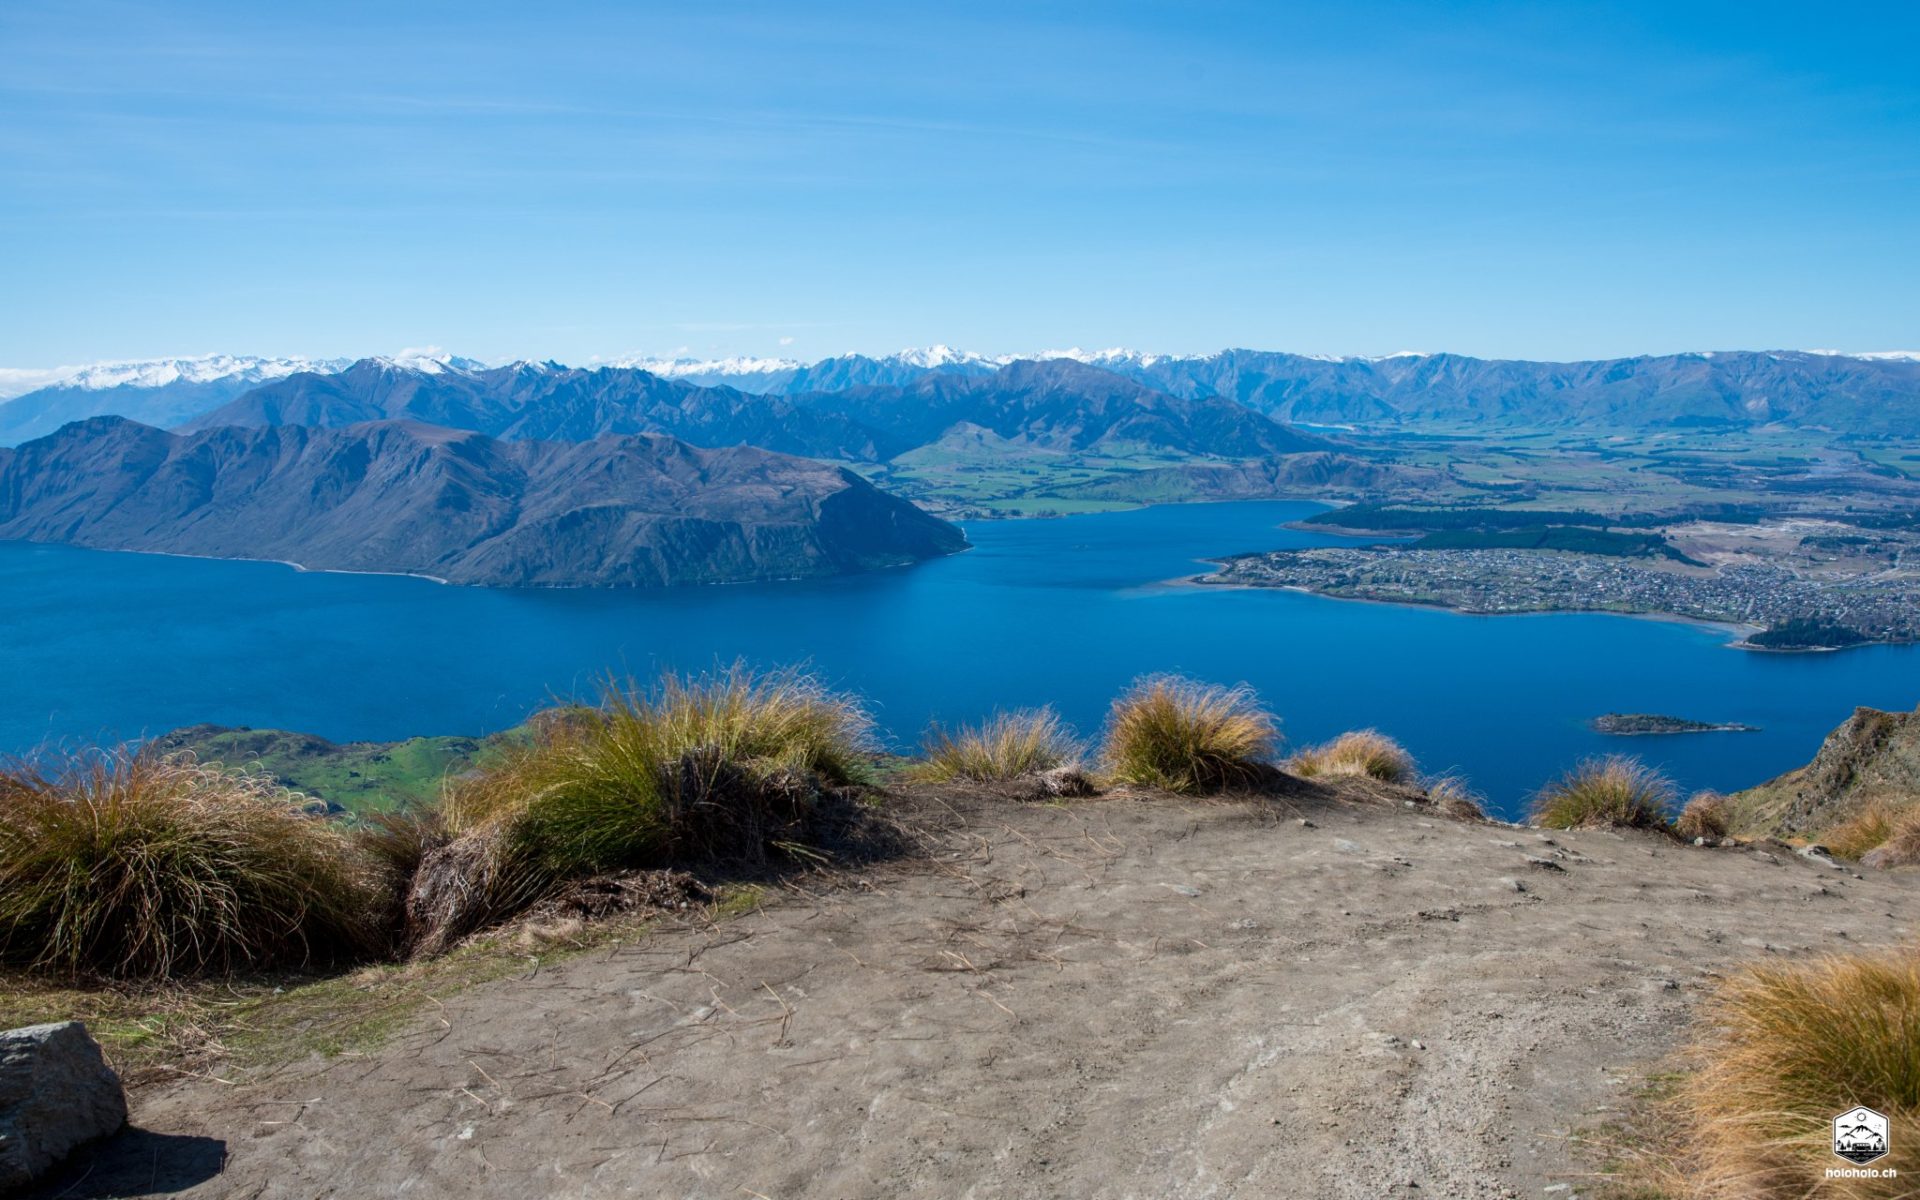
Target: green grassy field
{"x":355,"y":776}
{"x":1522,"y":469}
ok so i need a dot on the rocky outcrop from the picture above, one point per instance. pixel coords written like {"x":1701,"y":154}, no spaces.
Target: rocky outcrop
{"x":56,"y":1093}
{"x":1872,"y":760}
{"x":618,"y":511}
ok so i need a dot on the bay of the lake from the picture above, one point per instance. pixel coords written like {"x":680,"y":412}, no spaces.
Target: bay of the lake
{"x":103,"y":646}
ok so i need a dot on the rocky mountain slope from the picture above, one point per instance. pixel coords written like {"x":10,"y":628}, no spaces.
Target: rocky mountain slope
{"x":624,"y":511}
{"x":1872,"y":759}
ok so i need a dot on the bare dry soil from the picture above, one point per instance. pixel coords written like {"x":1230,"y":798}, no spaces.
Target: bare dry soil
{"x":1131,"y":996}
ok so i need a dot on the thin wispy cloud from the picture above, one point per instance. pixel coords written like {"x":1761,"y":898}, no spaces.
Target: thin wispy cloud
{"x":1552,"y":179}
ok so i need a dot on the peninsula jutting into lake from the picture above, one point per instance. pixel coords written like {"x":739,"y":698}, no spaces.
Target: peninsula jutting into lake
{"x":1791,"y":583}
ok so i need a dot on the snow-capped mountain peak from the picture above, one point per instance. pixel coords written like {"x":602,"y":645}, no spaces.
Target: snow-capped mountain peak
{"x":1113,"y":356}
{"x":430,"y":360}
{"x":1871,"y":355}
{"x":680,"y":367}
{"x":159,"y":372}
{"x":937,"y":356}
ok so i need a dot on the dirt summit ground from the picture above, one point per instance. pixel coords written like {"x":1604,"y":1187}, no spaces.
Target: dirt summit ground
{"x":1124,"y":997}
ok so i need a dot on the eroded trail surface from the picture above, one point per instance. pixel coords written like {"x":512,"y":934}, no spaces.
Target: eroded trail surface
{"x":1125,"y":997}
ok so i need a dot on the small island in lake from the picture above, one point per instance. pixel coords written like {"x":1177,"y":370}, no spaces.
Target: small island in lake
{"x":1632,"y":723}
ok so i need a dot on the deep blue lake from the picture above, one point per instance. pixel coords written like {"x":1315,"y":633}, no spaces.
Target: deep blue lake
{"x":108,"y":646}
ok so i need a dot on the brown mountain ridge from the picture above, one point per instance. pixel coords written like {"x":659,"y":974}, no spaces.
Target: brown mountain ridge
{"x":642,"y":510}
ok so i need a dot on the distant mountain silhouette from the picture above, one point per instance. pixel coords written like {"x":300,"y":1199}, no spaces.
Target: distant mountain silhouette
{"x":1844,"y":393}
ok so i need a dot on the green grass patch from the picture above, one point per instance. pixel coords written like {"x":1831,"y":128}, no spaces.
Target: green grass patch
{"x":360,"y":777}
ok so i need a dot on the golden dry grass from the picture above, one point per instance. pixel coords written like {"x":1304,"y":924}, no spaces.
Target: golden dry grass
{"x":1361,"y":752}
{"x":1451,"y":795}
{"x":1706,"y":815}
{"x":130,"y":865}
{"x":1006,"y":746}
{"x":1901,"y":847}
{"x":1865,"y":831}
{"x":1186,"y":736}
{"x":1786,"y":1048}
{"x":1616,"y":792}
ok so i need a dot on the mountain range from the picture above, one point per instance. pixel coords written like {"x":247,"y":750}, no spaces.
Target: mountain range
{"x":168,"y":391}
{"x":740,"y":399}
{"x":398,"y":496}
{"x":1058,"y":405}
{"x":1861,"y":394}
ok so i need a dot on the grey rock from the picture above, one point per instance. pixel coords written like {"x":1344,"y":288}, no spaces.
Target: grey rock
{"x":1066,"y":781}
{"x":56,"y":1093}
{"x":1820,"y":855}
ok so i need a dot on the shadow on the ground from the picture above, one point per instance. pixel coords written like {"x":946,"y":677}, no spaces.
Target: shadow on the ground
{"x":133,"y":1162}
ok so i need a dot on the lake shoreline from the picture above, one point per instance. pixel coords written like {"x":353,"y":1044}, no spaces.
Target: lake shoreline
{"x":109,"y":646}
{"x":1739,"y":631}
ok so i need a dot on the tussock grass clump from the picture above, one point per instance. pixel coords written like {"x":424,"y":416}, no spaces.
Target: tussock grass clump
{"x":1707,"y":815}
{"x":1787,"y":1049}
{"x":1616,"y":792}
{"x":691,"y":767}
{"x":725,"y":766}
{"x":1901,"y":848}
{"x":1365,"y":752}
{"x":1186,"y":736}
{"x":1451,"y":795}
{"x":1862,"y":833}
{"x":1007,"y":746}
{"x":131,"y":865}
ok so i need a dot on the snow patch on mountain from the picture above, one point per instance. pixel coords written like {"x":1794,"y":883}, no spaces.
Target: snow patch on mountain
{"x":159,"y":372}
{"x":1880,"y":355}
{"x":431,"y":360}
{"x":674,"y":368}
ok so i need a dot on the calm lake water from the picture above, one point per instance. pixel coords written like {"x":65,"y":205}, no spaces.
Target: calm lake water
{"x":106,"y":646}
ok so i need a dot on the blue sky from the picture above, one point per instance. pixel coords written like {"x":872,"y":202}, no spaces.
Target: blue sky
{"x":571,"y":180}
